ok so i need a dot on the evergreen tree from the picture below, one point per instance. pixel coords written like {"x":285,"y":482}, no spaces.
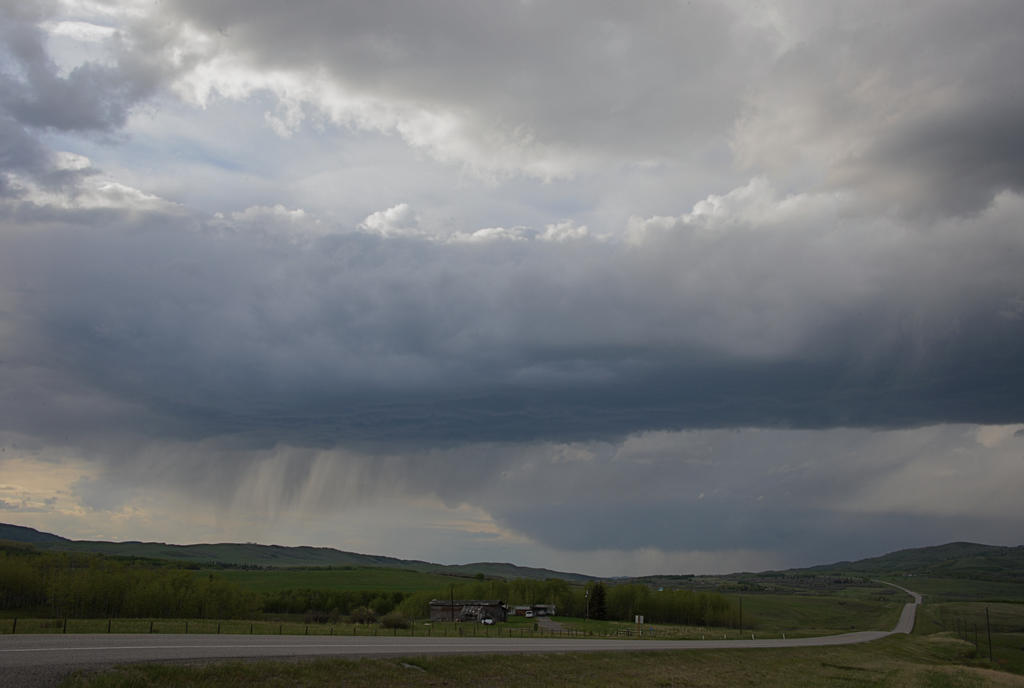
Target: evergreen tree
{"x":598,"y":602}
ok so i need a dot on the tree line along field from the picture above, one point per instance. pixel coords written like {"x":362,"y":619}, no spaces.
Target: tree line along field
{"x":71,"y":585}
{"x":55,"y":585}
{"x":334,"y":578}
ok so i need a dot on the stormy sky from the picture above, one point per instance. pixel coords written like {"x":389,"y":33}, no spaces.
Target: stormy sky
{"x":672,"y":287}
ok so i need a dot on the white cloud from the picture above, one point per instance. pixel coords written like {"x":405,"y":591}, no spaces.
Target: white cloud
{"x":80,"y":30}
{"x":488,"y":234}
{"x":91,"y":193}
{"x":441,"y":133}
{"x":566,"y":230}
{"x":63,"y":160}
{"x":398,"y":220}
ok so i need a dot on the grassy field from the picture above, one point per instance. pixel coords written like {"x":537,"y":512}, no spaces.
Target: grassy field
{"x":967,"y":620}
{"x":934,"y":662}
{"x":361,"y":578}
{"x":771,"y":616}
{"x":765,"y":615}
{"x":941,"y":652}
{"x":819,"y":615}
{"x":939,"y":589}
{"x":620,"y":629}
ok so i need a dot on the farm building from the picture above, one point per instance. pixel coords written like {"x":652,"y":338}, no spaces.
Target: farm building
{"x":467,"y":610}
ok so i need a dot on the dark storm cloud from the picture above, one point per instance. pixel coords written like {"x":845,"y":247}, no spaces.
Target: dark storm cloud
{"x":813,"y":495}
{"x":916,"y":107}
{"x":954,"y":154}
{"x":209,"y":330}
{"x":784,"y":311}
{"x":807,"y":536}
{"x":797,"y":333}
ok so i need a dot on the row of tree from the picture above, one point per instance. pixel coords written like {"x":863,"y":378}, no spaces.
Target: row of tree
{"x":82,"y":585}
{"x":622,"y":602}
{"x":87,"y":585}
{"x":330,"y":604}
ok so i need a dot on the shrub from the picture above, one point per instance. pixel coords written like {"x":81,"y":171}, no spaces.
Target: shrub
{"x":394,"y":620}
{"x":363,"y":615}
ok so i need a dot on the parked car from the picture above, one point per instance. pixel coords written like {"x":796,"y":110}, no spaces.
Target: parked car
{"x":529,"y":614}
{"x":487,"y":621}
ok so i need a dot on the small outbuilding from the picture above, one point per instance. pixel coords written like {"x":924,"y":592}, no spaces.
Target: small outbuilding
{"x":543,"y":609}
{"x":467,"y":610}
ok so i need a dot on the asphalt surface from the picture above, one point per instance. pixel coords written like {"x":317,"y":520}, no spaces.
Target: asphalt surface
{"x":42,"y":660}
{"x":909,"y":614}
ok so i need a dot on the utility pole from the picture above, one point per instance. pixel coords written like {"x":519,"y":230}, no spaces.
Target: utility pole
{"x":451,"y":600}
{"x":741,"y":614}
{"x":988,"y":627}
{"x":586,"y":596}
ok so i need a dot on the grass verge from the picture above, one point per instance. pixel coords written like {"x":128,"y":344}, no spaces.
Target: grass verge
{"x":932,"y":662}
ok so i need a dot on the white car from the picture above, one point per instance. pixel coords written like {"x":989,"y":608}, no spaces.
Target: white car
{"x":488,"y":621}
{"x":529,"y":614}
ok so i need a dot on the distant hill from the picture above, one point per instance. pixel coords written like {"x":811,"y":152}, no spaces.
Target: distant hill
{"x":953,"y":560}
{"x":250,"y":554}
{"x":30,"y":535}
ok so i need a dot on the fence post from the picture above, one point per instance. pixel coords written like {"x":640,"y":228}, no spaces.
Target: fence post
{"x":151,"y":626}
{"x":14,"y":626}
{"x":65,"y":628}
{"x":218,"y":628}
{"x":108,"y":625}
{"x":250,"y":629}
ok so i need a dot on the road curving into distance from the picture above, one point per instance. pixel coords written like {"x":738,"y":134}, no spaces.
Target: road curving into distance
{"x":41,"y":660}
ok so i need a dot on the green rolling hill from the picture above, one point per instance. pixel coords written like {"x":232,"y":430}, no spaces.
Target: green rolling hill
{"x":953,"y":560}
{"x":956,"y":560}
{"x":277,"y":556}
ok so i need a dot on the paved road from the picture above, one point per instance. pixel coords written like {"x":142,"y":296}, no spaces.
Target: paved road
{"x":909,"y":614}
{"x":41,"y":659}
